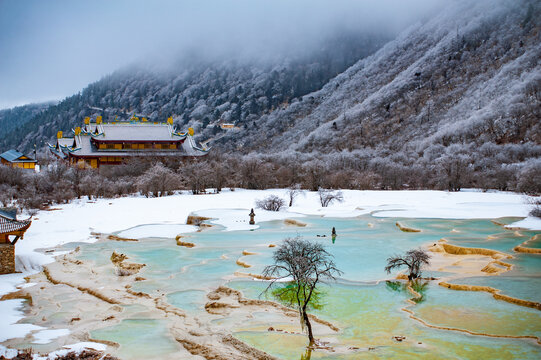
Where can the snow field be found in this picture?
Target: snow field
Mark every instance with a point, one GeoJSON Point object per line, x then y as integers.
{"type": "Point", "coordinates": [139, 217]}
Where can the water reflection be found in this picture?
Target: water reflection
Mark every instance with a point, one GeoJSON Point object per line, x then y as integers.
{"type": "Point", "coordinates": [289, 295]}
{"type": "Point", "coordinates": [419, 287]}
{"type": "Point", "coordinates": [307, 354]}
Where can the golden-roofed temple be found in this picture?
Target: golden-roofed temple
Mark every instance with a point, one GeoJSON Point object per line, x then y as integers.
{"type": "Point", "coordinates": [99, 143]}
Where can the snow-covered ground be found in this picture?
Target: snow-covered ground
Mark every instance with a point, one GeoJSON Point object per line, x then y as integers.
{"type": "Point", "coordinates": [77, 348]}
{"type": "Point", "coordinates": [138, 217]}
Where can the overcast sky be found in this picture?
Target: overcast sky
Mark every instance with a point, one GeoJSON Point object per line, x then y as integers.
{"type": "Point", "coordinates": [50, 49]}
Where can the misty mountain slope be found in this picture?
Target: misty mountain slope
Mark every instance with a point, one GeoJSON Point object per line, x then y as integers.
{"type": "Point", "coordinates": [19, 115]}
{"type": "Point", "coordinates": [469, 76]}
{"type": "Point", "coordinates": [199, 93]}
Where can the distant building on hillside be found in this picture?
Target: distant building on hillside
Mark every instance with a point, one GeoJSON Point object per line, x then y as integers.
{"type": "Point", "coordinates": [17, 159]}
{"type": "Point", "coordinates": [99, 143]}
{"type": "Point", "coordinates": [227, 126]}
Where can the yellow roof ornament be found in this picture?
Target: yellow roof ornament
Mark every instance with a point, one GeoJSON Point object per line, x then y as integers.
{"type": "Point", "coordinates": [59, 135]}
{"type": "Point", "coordinates": [144, 119]}
{"type": "Point", "coordinates": [190, 131]}
{"type": "Point", "coordinates": [87, 120]}
{"type": "Point", "coordinates": [98, 120]}
{"type": "Point", "coordinates": [170, 120]}
{"type": "Point", "coordinates": [77, 131]}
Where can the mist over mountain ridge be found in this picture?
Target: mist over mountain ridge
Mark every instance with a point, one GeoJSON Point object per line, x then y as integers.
{"type": "Point", "coordinates": [197, 91]}
{"type": "Point", "coordinates": [461, 89]}
{"type": "Point", "coordinates": [53, 50]}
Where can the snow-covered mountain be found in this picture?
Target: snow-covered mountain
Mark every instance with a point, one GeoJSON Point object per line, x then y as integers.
{"type": "Point", "coordinates": [462, 87]}
{"type": "Point", "coordinates": [199, 92]}
{"type": "Point", "coordinates": [469, 76]}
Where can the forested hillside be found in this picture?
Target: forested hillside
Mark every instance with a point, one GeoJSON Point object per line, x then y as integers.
{"type": "Point", "coordinates": [457, 95]}
{"type": "Point", "coordinates": [470, 76]}
{"type": "Point", "coordinates": [10, 119]}
{"type": "Point", "coordinates": [198, 92]}
{"type": "Point", "coordinates": [453, 101]}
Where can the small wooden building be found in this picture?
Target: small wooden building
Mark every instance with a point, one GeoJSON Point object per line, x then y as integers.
{"type": "Point", "coordinates": [11, 230]}
{"type": "Point", "coordinates": [98, 143]}
{"type": "Point", "coordinates": [17, 159]}
{"type": "Point", "coordinates": [227, 126]}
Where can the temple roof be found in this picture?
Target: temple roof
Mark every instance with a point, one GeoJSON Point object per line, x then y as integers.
{"type": "Point", "coordinates": [9, 213]}
{"type": "Point", "coordinates": [136, 132]}
{"type": "Point", "coordinates": [9, 226]}
{"type": "Point", "coordinates": [9, 222]}
{"type": "Point", "coordinates": [82, 146]}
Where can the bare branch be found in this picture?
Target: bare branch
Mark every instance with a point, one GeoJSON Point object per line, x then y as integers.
{"type": "Point", "coordinates": [307, 263]}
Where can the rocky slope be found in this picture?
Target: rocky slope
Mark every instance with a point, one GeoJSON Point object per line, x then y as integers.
{"type": "Point", "coordinates": [469, 77]}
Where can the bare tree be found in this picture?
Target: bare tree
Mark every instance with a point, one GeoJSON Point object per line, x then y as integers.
{"type": "Point", "coordinates": [271, 203]}
{"type": "Point", "coordinates": [527, 176]}
{"type": "Point", "coordinates": [157, 181]}
{"type": "Point", "coordinates": [307, 263]}
{"type": "Point", "coordinates": [7, 194]}
{"type": "Point", "coordinates": [218, 175]}
{"type": "Point", "coordinates": [454, 172]}
{"type": "Point", "coordinates": [75, 176]}
{"type": "Point", "coordinates": [90, 184]}
{"type": "Point", "coordinates": [413, 260]}
{"type": "Point", "coordinates": [194, 177]}
{"type": "Point", "coordinates": [293, 192]}
{"type": "Point", "coordinates": [251, 174]}
{"type": "Point", "coordinates": [326, 197]}
{"type": "Point", "coordinates": [314, 174]}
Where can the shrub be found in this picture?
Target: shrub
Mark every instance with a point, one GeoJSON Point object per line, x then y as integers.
{"type": "Point", "coordinates": [12, 176]}
{"type": "Point", "coordinates": [536, 211]}
{"type": "Point", "coordinates": [7, 193]}
{"type": "Point", "coordinates": [326, 197]}
{"type": "Point", "coordinates": [271, 203]}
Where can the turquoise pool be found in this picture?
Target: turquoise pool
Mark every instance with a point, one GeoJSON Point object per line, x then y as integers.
{"type": "Point", "coordinates": [366, 309]}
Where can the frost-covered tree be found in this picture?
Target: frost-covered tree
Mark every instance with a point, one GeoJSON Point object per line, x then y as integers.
{"type": "Point", "coordinates": [308, 264]}
{"type": "Point", "coordinates": [157, 181]}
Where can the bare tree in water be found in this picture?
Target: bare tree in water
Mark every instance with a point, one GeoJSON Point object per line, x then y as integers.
{"type": "Point", "coordinates": [413, 260]}
{"type": "Point", "coordinates": [306, 263]}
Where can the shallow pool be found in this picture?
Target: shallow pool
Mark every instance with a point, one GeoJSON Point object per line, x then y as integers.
{"type": "Point", "coordinates": [368, 310]}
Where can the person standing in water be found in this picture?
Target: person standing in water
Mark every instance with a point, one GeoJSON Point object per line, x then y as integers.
{"type": "Point", "coordinates": [333, 234]}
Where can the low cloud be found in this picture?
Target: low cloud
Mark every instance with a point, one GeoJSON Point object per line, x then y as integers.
{"type": "Point", "coordinates": [52, 49]}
